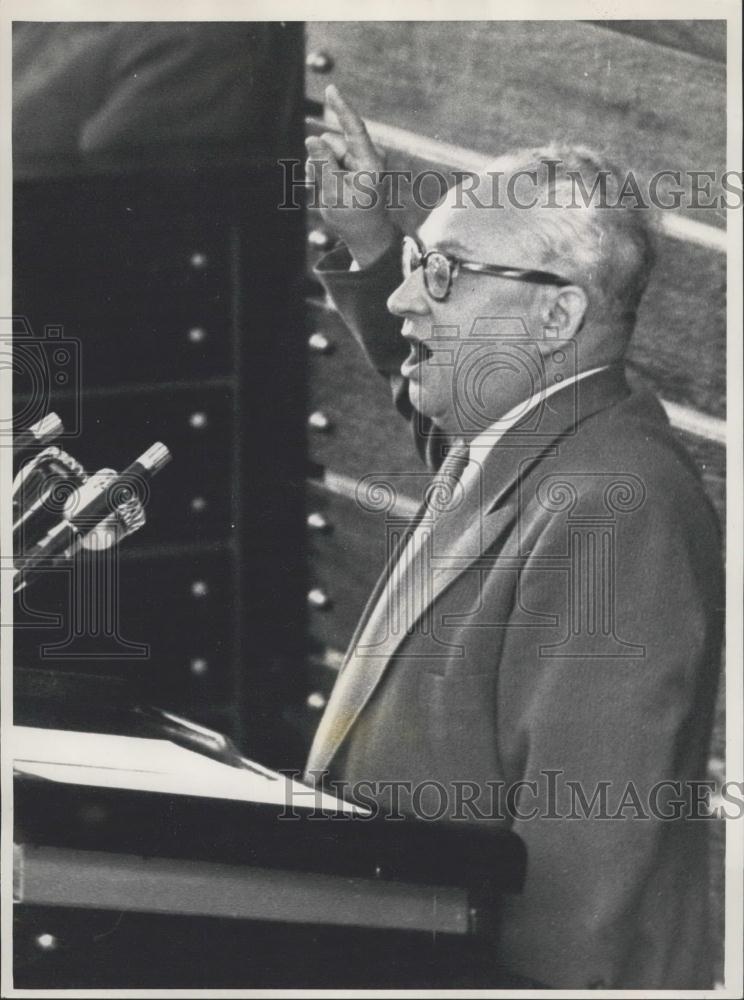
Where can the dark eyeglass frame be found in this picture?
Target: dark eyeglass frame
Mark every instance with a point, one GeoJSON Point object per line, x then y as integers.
{"type": "Point", "coordinates": [456, 264]}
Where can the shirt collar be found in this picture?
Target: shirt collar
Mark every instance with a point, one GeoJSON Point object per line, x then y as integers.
{"type": "Point", "coordinates": [491, 435]}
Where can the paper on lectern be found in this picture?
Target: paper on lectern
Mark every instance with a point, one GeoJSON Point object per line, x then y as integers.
{"type": "Point", "coordinates": [103, 760]}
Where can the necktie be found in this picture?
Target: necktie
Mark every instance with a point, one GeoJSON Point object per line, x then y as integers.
{"type": "Point", "coordinates": [397, 607]}
{"type": "Point", "coordinates": [442, 492]}
{"type": "Point", "coordinates": [410, 575]}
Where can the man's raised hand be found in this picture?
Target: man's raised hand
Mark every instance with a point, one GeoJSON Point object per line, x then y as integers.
{"type": "Point", "coordinates": [346, 169]}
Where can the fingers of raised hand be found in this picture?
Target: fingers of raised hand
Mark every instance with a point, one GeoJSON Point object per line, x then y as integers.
{"type": "Point", "coordinates": [355, 131]}
{"type": "Point", "coordinates": [340, 148]}
{"type": "Point", "coordinates": [320, 155]}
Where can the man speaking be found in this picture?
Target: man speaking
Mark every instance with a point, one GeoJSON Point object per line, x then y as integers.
{"type": "Point", "coordinates": [543, 648]}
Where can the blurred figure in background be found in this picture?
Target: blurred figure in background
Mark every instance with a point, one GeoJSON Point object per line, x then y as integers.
{"type": "Point", "coordinates": [103, 89]}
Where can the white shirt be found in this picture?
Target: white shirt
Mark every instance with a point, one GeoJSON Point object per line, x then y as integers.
{"type": "Point", "coordinates": [481, 445]}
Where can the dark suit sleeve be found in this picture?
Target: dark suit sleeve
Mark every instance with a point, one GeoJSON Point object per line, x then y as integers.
{"type": "Point", "coordinates": [360, 297]}
{"type": "Point", "coordinates": [602, 901]}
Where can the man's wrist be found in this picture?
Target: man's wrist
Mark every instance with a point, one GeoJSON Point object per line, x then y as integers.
{"type": "Point", "coordinates": [341, 264]}
{"type": "Point", "coordinates": [374, 246]}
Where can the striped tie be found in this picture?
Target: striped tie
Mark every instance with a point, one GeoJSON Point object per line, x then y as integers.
{"type": "Point", "coordinates": [410, 576]}
{"type": "Point", "coordinates": [441, 493]}
{"type": "Point", "coordinates": [396, 610]}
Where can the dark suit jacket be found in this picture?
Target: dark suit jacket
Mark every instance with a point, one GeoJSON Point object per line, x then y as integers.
{"type": "Point", "coordinates": [573, 627]}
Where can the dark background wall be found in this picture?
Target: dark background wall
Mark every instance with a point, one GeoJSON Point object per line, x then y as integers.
{"type": "Point", "coordinates": [150, 252]}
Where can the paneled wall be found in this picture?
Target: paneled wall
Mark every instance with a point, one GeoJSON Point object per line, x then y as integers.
{"type": "Point", "coordinates": [173, 290]}
{"type": "Point", "coordinates": [148, 241]}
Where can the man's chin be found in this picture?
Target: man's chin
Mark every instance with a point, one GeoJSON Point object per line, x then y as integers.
{"type": "Point", "coordinates": [418, 401]}
{"type": "Point", "coordinates": [421, 405]}
{"type": "Point", "coordinates": [418, 398]}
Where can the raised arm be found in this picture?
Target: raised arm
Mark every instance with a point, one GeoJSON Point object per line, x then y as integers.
{"type": "Point", "coordinates": [361, 274]}
{"type": "Point", "coordinates": [363, 223]}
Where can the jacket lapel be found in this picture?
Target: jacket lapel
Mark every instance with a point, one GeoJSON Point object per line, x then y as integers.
{"type": "Point", "coordinates": [454, 542]}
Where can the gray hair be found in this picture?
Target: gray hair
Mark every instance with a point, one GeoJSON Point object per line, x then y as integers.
{"type": "Point", "coordinates": [581, 235]}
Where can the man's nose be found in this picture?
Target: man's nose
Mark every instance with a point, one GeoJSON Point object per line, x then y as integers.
{"type": "Point", "coordinates": [410, 297]}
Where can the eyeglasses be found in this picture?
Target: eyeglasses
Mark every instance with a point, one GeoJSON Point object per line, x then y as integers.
{"type": "Point", "coordinates": [440, 269]}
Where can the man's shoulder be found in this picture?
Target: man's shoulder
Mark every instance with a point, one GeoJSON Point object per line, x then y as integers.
{"type": "Point", "coordinates": [633, 437]}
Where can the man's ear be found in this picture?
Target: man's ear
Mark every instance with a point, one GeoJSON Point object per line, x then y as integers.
{"type": "Point", "coordinates": [564, 312]}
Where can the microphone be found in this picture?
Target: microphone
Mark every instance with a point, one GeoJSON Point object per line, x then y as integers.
{"type": "Point", "coordinates": [95, 504]}
{"type": "Point", "coordinates": [124, 521]}
{"type": "Point", "coordinates": [40, 490]}
{"type": "Point", "coordinates": [127, 518]}
{"type": "Point", "coordinates": [42, 432]}
{"type": "Point", "coordinates": [127, 485]}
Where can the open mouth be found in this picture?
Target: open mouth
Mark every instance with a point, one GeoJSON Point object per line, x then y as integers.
{"type": "Point", "coordinates": [418, 355]}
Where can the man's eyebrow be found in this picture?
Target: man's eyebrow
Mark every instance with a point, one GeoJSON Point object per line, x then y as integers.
{"type": "Point", "coordinates": [447, 246]}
